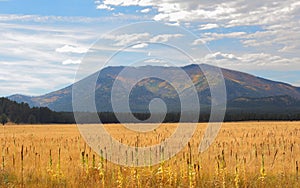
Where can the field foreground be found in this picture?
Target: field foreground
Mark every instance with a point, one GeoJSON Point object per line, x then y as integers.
{"type": "Point", "coordinates": [246, 154]}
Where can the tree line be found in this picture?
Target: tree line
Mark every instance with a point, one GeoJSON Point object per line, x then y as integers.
{"type": "Point", "coordinates": [22, 113]}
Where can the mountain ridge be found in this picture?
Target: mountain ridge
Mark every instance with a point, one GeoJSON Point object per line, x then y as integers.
{"type": "Point", "coordinates": [238, 85]}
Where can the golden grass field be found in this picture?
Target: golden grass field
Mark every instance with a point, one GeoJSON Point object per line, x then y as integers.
{"type": "Point", "coordinates": [246, 154]}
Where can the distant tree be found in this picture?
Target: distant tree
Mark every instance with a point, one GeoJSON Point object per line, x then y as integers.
{"type": "Point", "coordinates": [18, 120]}
{"type": "Point", "coordinates": [32, 119]}
{"type": "Point", "coordinates": [3, 119]}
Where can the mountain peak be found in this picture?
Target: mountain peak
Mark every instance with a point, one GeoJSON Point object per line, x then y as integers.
{"type": "Point", "coordinates": [238, 85]}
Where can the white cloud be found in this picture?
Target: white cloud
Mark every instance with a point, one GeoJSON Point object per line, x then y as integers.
{"type": "Point", "coordinates": [208, 26]}
{"type": "Point", "coordinates": [165, 37]}
{"type": "Point", "coordinates": [33, 77]}
{"type": "Point", "coordinates": [40, 45]}
{"type": "Point", "coordinates": [251, 61]}
{"type": "Point", "coordinates": [104, 7]}
{"type": "Point", "coordinates": [154, 61]}
{"type": "Point", "coordinates": [141, 45]}
{"type": "Point", "coordinates": [199, 41]}
{"type": "Point", "coordinates": [66, 19]}
{"type": "Point", "coordinates": [71, 62]}
{"type": "Point", "coordinates": [172, 23]}
{"type": "Point", "coordinates": [157, 62]}
{"type": "Point", "coordinates": [126, 39]}
{"type": "Point", "coordinates": [29, 58]}
{"type": "Point", "coordinates": [146, 10]}
{"type": "Point", "coordinates": [133, 38]}
{"type": "Point", "coordinates": [119, 14]}
{"type": "Point", "coordinates": [72, 49]}
{"type": "Point", "coordinates": [226, 35]}
{"type": "Point", "coordinates": [183, 11]}
{"type": "Point", "coordinates": [222, 56]}
{"type": "Point", "coordinates": [128, 2]}
{"type": "Point", "coordinates": [207, 37]}
{"type": "Point", "coordinates": [288, 48]}
{"type": "Point", "coordinates": [283, 38]}
{"type": "Point", "coordinates": [280, 20]}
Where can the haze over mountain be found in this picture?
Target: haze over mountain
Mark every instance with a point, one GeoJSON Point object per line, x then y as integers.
{"type": "Point", "coordinates": [244, 91]}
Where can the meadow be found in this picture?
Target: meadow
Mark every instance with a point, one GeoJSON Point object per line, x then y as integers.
{"type": "Point", "coordinates": [244, 154]}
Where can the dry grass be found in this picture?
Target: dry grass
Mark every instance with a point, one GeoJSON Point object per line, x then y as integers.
{"type": "Point", "coordinates": [247, 154]}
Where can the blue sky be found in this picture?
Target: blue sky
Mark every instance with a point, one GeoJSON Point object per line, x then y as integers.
{"type": "Point", "coordinates": [46, 8]}
{"type": "Point", "coordinates": [42, 43]}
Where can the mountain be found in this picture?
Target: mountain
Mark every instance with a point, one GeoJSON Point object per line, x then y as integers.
{"type": "Point", "coordinates": [244, 91]}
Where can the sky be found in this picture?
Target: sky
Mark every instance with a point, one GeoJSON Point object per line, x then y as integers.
{"type": "Point", "coordinates": [43, 43]}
